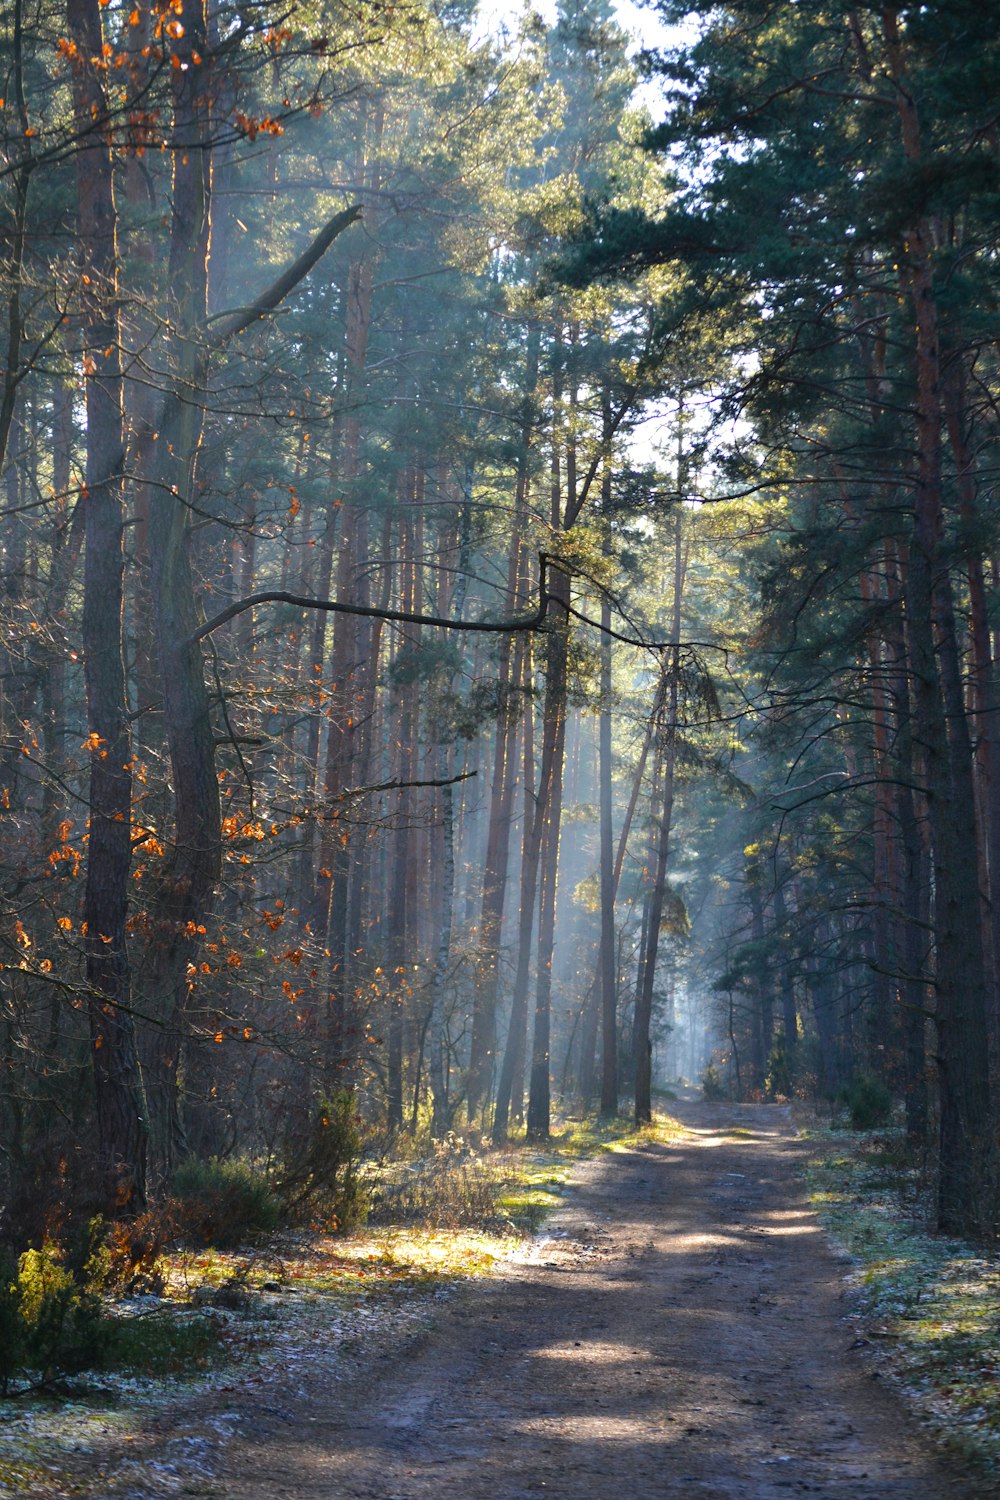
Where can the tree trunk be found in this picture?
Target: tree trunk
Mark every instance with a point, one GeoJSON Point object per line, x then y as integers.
{"type": "Point", "coordinates": [967, 1149]}
{"type": "Point", "coordinates": [985, 699]}
{"type": "Point", "coordinates": [914, 916]}
{"type": "Point", "coordinates": [786, 984]}
{"type": "Point", "coordinates": [191, 872]}
{"type": "Point", "coordinates": [122, 1137]}
{"type": "Point", "coordinates": [441, 1117]}
{"type": "Point", "coordinates": [550, 805]}
{"type": "Point", "coordinates": [641, 1040]}
{"type": "Point", "coordinates": [508, 1087]}
{"type": "Point", "coordinates": [352, 672]}
{"type": "Point", "coordinates": [495, 871]}
{"type": "Point", "coordinates": [497, 858]}
{"type": "Point", "coordinates": [550, 786]}
{"type": "Point", "coordinates": [13, 373]}
{"type": "Point", "coordinates": [609, 976]}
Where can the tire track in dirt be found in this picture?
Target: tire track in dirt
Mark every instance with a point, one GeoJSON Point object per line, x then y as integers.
{"type": "Point", "coordinates": [680, 1331]}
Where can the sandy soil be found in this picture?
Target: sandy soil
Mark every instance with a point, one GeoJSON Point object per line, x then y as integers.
{"type": "Point", "coordinates": [680, 1331]}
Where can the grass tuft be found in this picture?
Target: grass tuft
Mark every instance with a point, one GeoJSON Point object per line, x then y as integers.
{"type": "Point", "coordinates": [162, 1344]}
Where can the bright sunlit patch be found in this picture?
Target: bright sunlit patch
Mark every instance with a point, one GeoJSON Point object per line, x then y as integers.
{"type": "Point", "coordinates": [593, 1352]}
{"type": "Point", "coordinates": [598, 1429]}
{"type": "Point", "coordinates": [803, 1227]}
{"type": "Point", "coordinates": [787, 1219]}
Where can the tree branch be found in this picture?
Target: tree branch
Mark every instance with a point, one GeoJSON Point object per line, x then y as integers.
{"type": "Point", "coordinates": [374, 612]}
{"type": "Point", "coordinates": [228, 324]}
{"type": "Point", "coordinates": [396, 786]}
{"type": "Point", "coordinates": [497, 627]}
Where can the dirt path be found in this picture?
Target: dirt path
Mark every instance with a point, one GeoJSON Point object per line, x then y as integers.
{"type": "Point", "coordinates": [679, 1332]}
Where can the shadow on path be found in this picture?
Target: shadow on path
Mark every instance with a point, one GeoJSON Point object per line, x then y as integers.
{"type": "Point", "coordinates": [678, 1332]}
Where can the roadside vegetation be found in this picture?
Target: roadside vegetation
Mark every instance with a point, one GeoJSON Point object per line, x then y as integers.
{"type": "Point", "coordinates": [926, 1306]}
{"type": "Point", "coordinates": [94, 1336]}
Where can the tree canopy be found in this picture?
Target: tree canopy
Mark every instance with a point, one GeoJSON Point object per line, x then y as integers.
{"type": "Point", "coordinates": [498, 576]}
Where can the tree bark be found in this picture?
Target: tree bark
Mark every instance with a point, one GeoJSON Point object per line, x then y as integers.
{"type": "Point", "coordinates": [122, 1134]}
{"type": "Point", "coordinates": [191, 871]}
{"type": "Point", "coordinates": [641, 1040]}
{"type": "Point", "coordinates": [508, 1086]}
{"type": "Point", "coordinates": [967, 1149]}
{"type": "Point", "coordinates": [497, 858]}
{"type": "Point", "coordinates": [609, 976]}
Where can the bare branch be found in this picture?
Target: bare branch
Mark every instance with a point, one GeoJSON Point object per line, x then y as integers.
{"type": "Point", "coordinates": [374, 612]}
{"type": "Point", "coordinates": [397, 786]}
{"type": "Point", "coordinates": [228, 324]}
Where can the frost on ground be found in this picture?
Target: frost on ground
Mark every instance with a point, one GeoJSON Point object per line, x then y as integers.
{"type": "Point", "coordinates": [319, 1306]}
{"type": "Point", "coordinates": [681, 1327]}
{"type": "Point", "coordinates": [927, 1307]}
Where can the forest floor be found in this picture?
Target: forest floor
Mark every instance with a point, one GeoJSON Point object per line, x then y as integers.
{"type": "Point", "coordinates": [680, 1328]}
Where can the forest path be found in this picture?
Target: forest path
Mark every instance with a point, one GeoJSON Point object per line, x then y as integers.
{"type": "Point", "coordinates": [679, 1330]}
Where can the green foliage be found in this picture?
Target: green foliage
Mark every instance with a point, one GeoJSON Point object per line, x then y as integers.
{"type": "Point", "coordinates": [587, 892]}
{"type": "Point", "coordinates": [322, 1172]}
{"type": "Point", "coordinates": [869, 1102]}
{"type": "Point", "coordinates": [779, 1077]}
{"type": "Point", "coordinates": [712, 1083]}
{"type": "Point", "coordinates": [52, 1321]}
{"type": "Point", "coordinates": [430, 661]}
{"type": "Point", "coordinates": [164, 1344]}
{"type": "Point", "coordinates": [223, 1203]}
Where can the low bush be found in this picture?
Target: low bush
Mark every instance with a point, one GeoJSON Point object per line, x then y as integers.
{"type": "Point", "coordinates": [222, 1203]}
{"type": "Point", "coordinates": [712, 1084]}
{"type": "Point", "coordinates": [164, 1344]}
{"type": "Point", "coordinates": [322, 1175]}
{"type": "Point", "coordinates": [56, 1321]}
{"type": "Point", "coordinates": [869, 1102]}
{"type": "Point", "coordinates": [778, 1082]}
{"type": "Point", "coordinates": [133, 1249]}
{"type": "Point", "coordinates": [52, 1321]}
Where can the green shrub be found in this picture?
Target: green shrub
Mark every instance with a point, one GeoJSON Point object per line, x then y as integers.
{"type": "Point", "coordinates": [712, 1085]}
{"type": "Point", "coordinates": [321, 1175]}
{"type": "Point", "coordinates": [52, 1321]}
{"type": "Point", "coordinates": [869, 1102]}
{"type": "Point", "coordinates": [223, 1203]}
{"type": "Point", "coordinates": [778, 1082]}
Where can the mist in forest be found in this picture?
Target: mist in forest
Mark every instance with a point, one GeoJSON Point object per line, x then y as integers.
{"type": "Point", "coordinates": [384, 721]}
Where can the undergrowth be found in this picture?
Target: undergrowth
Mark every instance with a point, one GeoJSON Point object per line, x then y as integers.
{"type": "Point", "coordinates": [169, 1311]}
{"type": "Point", "coordinates": [223, 1203]}
{"type": "Point", "coordinates": [930, 1305]}
{"type": "Point", "coordinates": [454, 1187]}
{"type": "Point", "coordinates": [459, 1183]}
